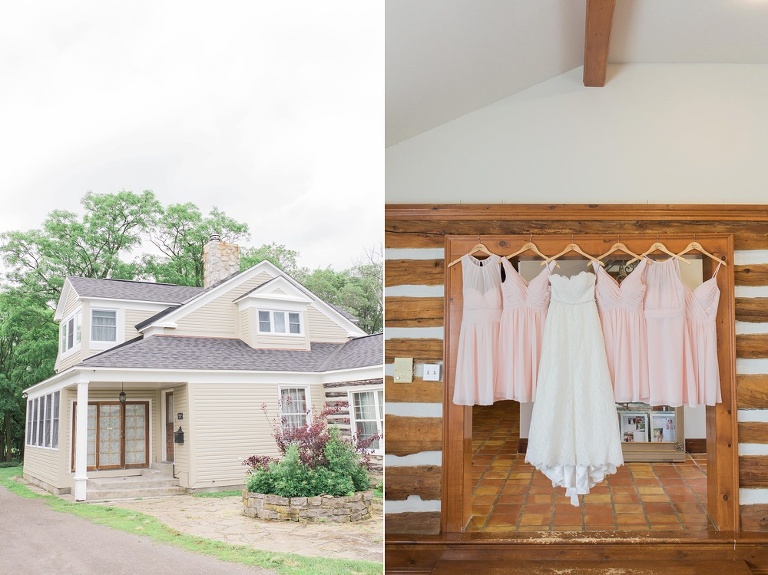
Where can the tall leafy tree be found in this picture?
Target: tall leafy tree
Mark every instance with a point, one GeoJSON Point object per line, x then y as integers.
{"type": "Point", "coordinates": [358, 290]}
{"type": "Point", "coordinates": [284, 258]}
{"type": "Point", "coordinates": [180, 233]}
{"type": "Point", "coordinates": [28, 344]}
{"type": "Point", "coordinates": [91, 246]}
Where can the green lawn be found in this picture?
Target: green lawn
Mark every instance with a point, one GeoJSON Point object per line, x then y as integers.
{"type": "Point", "coordinates": [141, 524]}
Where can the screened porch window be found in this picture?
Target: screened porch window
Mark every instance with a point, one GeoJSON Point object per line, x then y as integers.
{"type": "Point", "coordinates": [43, 421]}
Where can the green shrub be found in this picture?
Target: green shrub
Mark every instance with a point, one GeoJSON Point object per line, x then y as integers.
{"type": "Point", "coordinates": [343, 474]}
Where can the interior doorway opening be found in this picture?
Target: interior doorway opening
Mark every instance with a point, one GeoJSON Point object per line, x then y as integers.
{"type": "Point", "coordinates": [509, 495]}
{"type": "Point", "coordinates": [716, 470]}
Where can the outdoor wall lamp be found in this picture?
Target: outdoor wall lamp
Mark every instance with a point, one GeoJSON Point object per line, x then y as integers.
{"type": "Point", "coordinates": [178, 436]}
{"type": "Point", "coordinates": [122, 395]}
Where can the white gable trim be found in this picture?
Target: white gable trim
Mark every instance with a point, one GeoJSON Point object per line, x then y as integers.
{"type": "Point", "coordinates": [59, 314]}
{"type": "Point", "coordinates": [267, 293]}
{"type": "Point", "coordinates": [210, 295]}
{"type": "Point", "coordinates": [265, 266]}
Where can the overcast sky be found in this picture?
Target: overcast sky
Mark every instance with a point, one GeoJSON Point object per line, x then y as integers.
{"type": "Point", "coordinates": [271, 110]}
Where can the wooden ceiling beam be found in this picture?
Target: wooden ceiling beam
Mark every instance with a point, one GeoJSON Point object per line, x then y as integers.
{"type": "Point", "coordinates": [597, 37]}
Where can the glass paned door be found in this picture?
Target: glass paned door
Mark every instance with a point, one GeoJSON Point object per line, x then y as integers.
{"type": "Point", "coordinates": [91, 436]}
{"type": "Point", "coordinates": [109, 436]}
{"type": "Point", "coordinates": [135, 434]}
{"type": "Point", "coordinates": [169, 420]}
{"type": "Point", "coordinates": [118, 435]}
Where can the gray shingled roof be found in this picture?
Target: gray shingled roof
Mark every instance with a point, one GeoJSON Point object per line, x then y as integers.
{"type": "Point", "coordinates": [359, 352]}
{"type": "Point", "coordinates": [133, 290]}
{"type": "Point", "coordinates": [176, 352]}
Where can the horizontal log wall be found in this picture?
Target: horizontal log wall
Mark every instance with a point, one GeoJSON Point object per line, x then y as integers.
{"type": "Point", "coordinates": [414, 272]}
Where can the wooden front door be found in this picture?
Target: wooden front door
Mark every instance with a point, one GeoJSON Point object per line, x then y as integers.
{"type": "Point", "coordinates": [169, 427]}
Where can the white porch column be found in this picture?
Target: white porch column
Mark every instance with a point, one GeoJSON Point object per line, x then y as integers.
{"type": "Point", "coordinates": [81, 441]}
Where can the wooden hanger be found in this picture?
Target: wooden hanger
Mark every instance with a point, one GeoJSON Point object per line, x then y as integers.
{"type": "Point", "coordinates": [476, 248]}
{"type": "Point", "coordinates": [575, 248]}
{"type": "Point", "coordinates": [532, 247]}
{"type": "Point", "coordinates": [694, 245]}
{"type": "Point", "coordinates": [618, 246]}
{"type": "Point", "coordinates": [658, 246]}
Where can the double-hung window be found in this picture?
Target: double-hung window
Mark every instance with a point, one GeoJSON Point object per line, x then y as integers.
{"type": "Point", "coordinates": [367, 410]}
{"type": "Point", "coordinates": [70, 332]}
{"type": "Point", "coordinates": [294, 407]}
{"type": "Point", "coordinates": [104, 325]}
{"type": "Point", "coordinates": [287, 322]}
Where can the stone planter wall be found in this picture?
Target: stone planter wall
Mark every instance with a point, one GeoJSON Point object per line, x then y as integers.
{"type": "Point", "coordinates": [320, 509]}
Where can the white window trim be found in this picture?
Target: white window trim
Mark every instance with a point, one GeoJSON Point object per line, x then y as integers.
{"type": "Point", "coordinates": [379, 422]}
{"type": "Point", "coordinates": [63, 333]}
{"type": "Point", "coordinates": [272, 313]}
{"type": "Point", "coordinates": [119, 329]}
{"type": "Point", "coordinates": [307, 396]}
{"type": "Point", "coordinates": [46, 417]}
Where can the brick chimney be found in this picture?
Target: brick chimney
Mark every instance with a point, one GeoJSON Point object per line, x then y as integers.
{"type": "Point", "coordinates": [220, 260]}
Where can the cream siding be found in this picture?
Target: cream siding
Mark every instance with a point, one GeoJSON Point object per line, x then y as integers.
{"type": "Point", "coordinates": [231, 426]}
{"type": "Point", "coordinates": [246, 334]}
{"type": "Point", "coordinates": [48, 465]}
{"type": "Point", "coordinates": [181, 453]}
{"type": "Point", "coordinates": [321, 328]}
{"type": "Point", "coordinates": [217, 318]}
{"type": "Point", "coordinates": [72, 303]}
{"type": "Point", "coordinates": [133, 317]}
{"type": "Point", "coordinates": [78, 355]}
{"type": "Point", "coordinates": [271, 341]}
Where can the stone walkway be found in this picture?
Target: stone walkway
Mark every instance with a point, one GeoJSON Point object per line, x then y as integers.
{"type": "Point", "coordinates": [222, 519]}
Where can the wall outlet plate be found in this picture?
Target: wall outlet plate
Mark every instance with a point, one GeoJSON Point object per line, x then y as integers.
{"type": "Point", "coordinates": [403, 370]}
{"type": "Point", "coordinates": [431, 372]}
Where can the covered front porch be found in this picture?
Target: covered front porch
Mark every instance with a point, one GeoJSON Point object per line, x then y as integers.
{"type": "Point", "coordinates": [123, 438]}
{"type": "Point", "coordinates": [120, 436]}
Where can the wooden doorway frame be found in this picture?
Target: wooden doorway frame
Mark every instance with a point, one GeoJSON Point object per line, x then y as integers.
{"type": "Point", "coordinates": [167, 439]}
{"type": "Point", "coordinates": [122, 465]}
{"type": "Point", "coordinates": [722, 444]}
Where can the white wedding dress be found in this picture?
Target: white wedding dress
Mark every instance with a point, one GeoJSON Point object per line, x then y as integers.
{"type": "Point", "coordinates": [574, 433]}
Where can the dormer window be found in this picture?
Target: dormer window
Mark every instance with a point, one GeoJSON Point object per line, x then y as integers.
{"type": "Point", "coordinates": [70, 332]}
{"type": "Point", "coordinates": [280, 322]}
{"type": "Point", "coordinates": [104, 325]}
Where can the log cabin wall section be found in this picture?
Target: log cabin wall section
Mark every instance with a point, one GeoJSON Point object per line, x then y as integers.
{"type": "Point", "coordinates": [415, 290]}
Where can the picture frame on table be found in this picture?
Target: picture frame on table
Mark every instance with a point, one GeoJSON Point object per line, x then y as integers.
{"type": "Point", "coordinates": [633, 426]}
{"type": "Point", "coordinates": [664, 427]}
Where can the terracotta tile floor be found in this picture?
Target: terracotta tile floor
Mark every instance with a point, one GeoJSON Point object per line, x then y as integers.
{"type": "Point", "coordinates": [509, 495]}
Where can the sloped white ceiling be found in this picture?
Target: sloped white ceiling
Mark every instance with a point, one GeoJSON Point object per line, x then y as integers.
{"type": "Point", "coordinates": [447, 58]}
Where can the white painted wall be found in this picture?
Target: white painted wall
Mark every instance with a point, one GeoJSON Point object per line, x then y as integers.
{"type": "Point", "coordinates": [675, 133]}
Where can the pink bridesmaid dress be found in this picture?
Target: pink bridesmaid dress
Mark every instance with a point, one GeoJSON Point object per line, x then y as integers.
{"type": "Point", "coordinates": [524, 313]}
{"type": "Point", "coordinates": [479, 334]}
{"type": "Point", "coordinates": [623, 321]}
{"type": "Point", "coordinates": [701, 314]}
{"type": "Point", "coordinates": [671, 377]}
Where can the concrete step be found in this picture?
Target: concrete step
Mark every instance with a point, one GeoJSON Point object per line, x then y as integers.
{"type": "Point", "coordinates": [138, 493]}
{"type": "Point", "coordinates": [132, 482]}
{"type": "Point", "coordinates": [165, 469]}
